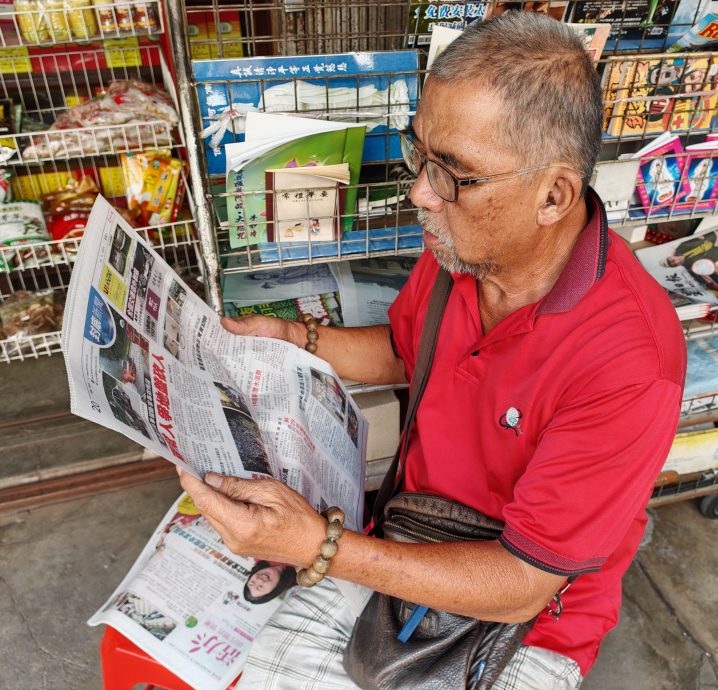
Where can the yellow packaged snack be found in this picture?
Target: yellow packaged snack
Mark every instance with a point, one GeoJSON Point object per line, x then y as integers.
{"type": "Point", "coordinates": [81, 18]}
{"type": "Point", "coordinates": [32, 21]}
{"type": "Point", "coordinates": [57, 18]}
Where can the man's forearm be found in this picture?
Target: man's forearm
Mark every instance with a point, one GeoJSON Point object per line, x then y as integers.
{"type": "Point", "coordinates": [477, 579]}
{"type": "Point", "coordinates": [361, 354]}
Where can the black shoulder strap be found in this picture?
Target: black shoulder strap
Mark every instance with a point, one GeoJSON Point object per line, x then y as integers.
{"type": "Point", "coordinates": [420, 376]}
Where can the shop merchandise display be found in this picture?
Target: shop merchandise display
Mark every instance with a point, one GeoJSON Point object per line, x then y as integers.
{"type": "Point", "coordinates": [61, 21]}
{"type": "Point", "coordinates": [154, 187]}
{"type": "Point", "coordinates": [25, 314]}
{"type": "Point", "coordinates": [129, 115]}
{"type": "Point", "coordinates": [21, 223]}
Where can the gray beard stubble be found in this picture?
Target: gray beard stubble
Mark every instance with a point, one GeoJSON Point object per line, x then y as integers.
{"type": "Point", "coordinates": [447, 257]}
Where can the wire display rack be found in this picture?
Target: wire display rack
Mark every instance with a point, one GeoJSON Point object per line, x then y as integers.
{"type": "Point", "coordinates": [30, 347]}
{"type": "Point", "coordinates": [49, 22]}
{"type": "Point", "coordinates": [49, 84]}
{"type": "Point", "coordinates": [301, 27]}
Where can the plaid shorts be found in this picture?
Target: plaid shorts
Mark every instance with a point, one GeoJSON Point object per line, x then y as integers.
{"type": "Point", "coordinates": [301, 648]}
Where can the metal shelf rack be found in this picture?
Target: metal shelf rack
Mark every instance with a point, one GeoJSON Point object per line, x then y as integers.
{"type": "Point", "coordinates": [47, 24]}
{"type": "Point", "coordinates": [48, 82]}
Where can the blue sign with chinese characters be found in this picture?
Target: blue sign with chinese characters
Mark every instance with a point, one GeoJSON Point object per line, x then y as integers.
{"type": "Point", "coordinates": [376, 88]}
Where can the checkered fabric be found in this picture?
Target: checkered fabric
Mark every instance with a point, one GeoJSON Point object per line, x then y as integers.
{"type": "Point", "coordinates": [301, 648]}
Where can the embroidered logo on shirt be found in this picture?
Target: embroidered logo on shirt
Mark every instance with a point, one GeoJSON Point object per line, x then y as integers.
{"type": "Point", "coordinates": [511, 419]}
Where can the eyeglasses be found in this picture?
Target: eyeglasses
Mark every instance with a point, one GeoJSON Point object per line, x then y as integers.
{"type": "Point", "coordinates": [444, 183]}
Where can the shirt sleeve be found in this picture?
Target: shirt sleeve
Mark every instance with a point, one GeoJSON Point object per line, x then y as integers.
{"type": "Point", "coordinates": [591, 475]}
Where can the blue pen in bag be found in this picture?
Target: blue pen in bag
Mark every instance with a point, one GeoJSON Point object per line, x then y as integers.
{"type": "Point", "coordinates": [412, 623]}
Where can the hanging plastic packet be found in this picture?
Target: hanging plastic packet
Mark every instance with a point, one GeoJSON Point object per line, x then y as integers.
{"type": "Point", "coordinates": [32, 21]}
{"type": "Point", "coordinates": [24, 314]}
{"type": "Point", "coordinates": [145, 18]}
{"type": "Point", "coordinates": [8, 145]}
{"type": "Point", "coordinates": [68, 210]}
{"type": "Point", "coordinates": [81, 18]}
{"type": "Point", "coordinates": [22, 223]}
{"type": "Point", "coordinates": [152, 183]}
{"type": "Point", "coordinates": [107, 18]}
{"type": "Point", "coordinates": [58, 20]}
{"type": "Point", "coordinates": [5, 188]}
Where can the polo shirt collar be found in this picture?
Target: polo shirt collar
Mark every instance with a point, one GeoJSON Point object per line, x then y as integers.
{"type": "Point", "coordinates": [585, 267]}
{"type": "Point", "coordinates": [586, 264]}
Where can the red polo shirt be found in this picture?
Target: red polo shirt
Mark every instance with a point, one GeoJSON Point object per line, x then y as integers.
{"type": "Point", "coordinates": [557, 421]}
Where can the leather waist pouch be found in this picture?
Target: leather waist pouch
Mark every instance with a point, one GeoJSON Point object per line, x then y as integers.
{"type": "Point", "coordinates": [445, 650]}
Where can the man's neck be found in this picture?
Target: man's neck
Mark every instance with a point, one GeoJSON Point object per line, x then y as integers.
{"type": "Point", "coordinates": [515, 286]}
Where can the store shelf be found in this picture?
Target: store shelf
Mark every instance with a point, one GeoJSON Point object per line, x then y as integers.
{"type": "Point", "coordinates": [30, 347]}
{"type": "Point", "coordinates": [40, 265]}
{"type": "Point", "coordinates": [43, 23]}
{"type": "Point", "coordinates": [81, 142]}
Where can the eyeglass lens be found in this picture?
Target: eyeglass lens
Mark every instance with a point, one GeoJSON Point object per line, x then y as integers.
{"type": "Point", "coordinates": [440, 180]}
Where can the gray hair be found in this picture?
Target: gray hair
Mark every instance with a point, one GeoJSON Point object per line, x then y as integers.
{"type": "Point", "coordinates": [543, 76]}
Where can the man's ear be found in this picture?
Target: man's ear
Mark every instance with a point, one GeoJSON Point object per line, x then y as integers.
{"type": "Point", "coordinates": [559, 195]}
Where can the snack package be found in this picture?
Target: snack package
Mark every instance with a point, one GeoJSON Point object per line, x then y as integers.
{"type": "Point", "coordinates": [30, 313]}
{"type": "Point", "coordinates": [32, 21]}
{"type": "Point", "coordinates": [21, 223]}
{"type": "Point", "coordinates": [68, 209]}
{"type": "Point", "coordinates": [107, 18]}
{"type": "Point", "coordinates": [152, 182]}
{"type": "Point", "coordinates": [93, 123]}
{"type": "Point", "coordinates": [81, 18]}
{"type": "Point", "coordinates": [5, 189]}
{"type": "Point", "coordinates": [145, 18]}
{"type": "Point", "coordinates": [8, 145]}
{"type": "Point", "coordinates": [58, 20]}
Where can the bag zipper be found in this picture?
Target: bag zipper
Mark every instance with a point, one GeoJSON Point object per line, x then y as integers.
{"type": "Point", "coordinates": [422, 535]}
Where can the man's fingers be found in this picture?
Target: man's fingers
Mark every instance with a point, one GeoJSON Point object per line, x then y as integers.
{"type": "Point", "coordinates": [245, 490]}
{"type": "Point", "coordinates": [209, 501]}
{"type": "Point", "coordinates": [238, 327]}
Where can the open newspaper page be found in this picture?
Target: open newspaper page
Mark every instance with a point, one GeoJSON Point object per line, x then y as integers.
{"type": "Point", "coordinates": [148, 358]}
{"type": "Point", "coordinates": [192, 604]}
{"type": "Point", "coordinates": [687, 266]}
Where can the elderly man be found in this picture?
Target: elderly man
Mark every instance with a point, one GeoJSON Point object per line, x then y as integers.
{"type": "Point", "coordinates": [554, 393]}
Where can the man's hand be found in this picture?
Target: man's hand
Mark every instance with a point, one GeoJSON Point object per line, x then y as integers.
{"type": "Point", "coordinates": [267, 327]}
{"type": "Point", "coordinates": [259, 518]}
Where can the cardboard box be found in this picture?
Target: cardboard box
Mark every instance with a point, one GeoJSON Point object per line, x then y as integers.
{"type": "Point", "coordinates": [381, 409]}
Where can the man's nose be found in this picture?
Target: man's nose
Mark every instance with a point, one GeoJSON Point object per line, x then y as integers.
{"type": "Point", "coordinates": [423, 196]}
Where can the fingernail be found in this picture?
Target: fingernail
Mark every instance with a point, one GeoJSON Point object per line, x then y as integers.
{"type": "Point", "coordinates": [213, 479]}
{"type": "Point", "coordinates": [179, 470]}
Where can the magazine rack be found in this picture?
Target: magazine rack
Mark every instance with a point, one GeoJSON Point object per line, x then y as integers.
{"type": "Point", "coordinates": [125, 665]}
{"type": "Point", "coordinates": [314, 26]}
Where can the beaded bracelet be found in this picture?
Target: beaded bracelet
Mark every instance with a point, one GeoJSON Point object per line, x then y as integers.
{"type": "Point", "coordinates": [312, 334]}
{"type": "Point", "coordinates": [308, 577]}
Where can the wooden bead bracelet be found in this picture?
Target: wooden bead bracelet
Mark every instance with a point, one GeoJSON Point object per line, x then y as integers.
{"type": "Point", "coordinates": [312, 334]}
{"type": "Point", "coordinates": [308, 577]}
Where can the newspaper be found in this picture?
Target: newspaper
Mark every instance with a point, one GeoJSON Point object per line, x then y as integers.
{"type": "Point", "coordinates": [687, 266]}
{"type": "Point", "coordinates": [148, 358]}
{"type": "Point", "coordinates": [368, 287]}
{"type": "Point", "coordinates": [192, 604]}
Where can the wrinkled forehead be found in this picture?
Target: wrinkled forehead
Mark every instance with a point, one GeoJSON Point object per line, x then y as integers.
{"type": "Point", "coordinates": [460, 118]}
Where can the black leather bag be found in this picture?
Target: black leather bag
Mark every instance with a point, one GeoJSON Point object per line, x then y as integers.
{"type": "Point", "coordinates": [446, 650]}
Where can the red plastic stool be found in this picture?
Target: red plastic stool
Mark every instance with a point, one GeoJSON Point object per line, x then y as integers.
{"type": "Point", "coordinates": [125, 665]}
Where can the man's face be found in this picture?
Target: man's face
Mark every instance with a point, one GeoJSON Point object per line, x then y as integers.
{"type": "Point", "coordinates": [489, 225]}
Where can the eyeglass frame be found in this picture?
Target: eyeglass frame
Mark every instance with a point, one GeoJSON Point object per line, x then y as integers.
{"type": "Point", "coordinates": [458, 181]}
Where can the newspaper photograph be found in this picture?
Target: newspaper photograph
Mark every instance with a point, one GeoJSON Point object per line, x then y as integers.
{"type": "Point", "coordinates": [192, 604]}
{"type": "Point", "coordinates": [147, 357]}
{"type": "Point", "coordinates": [686, 266]}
